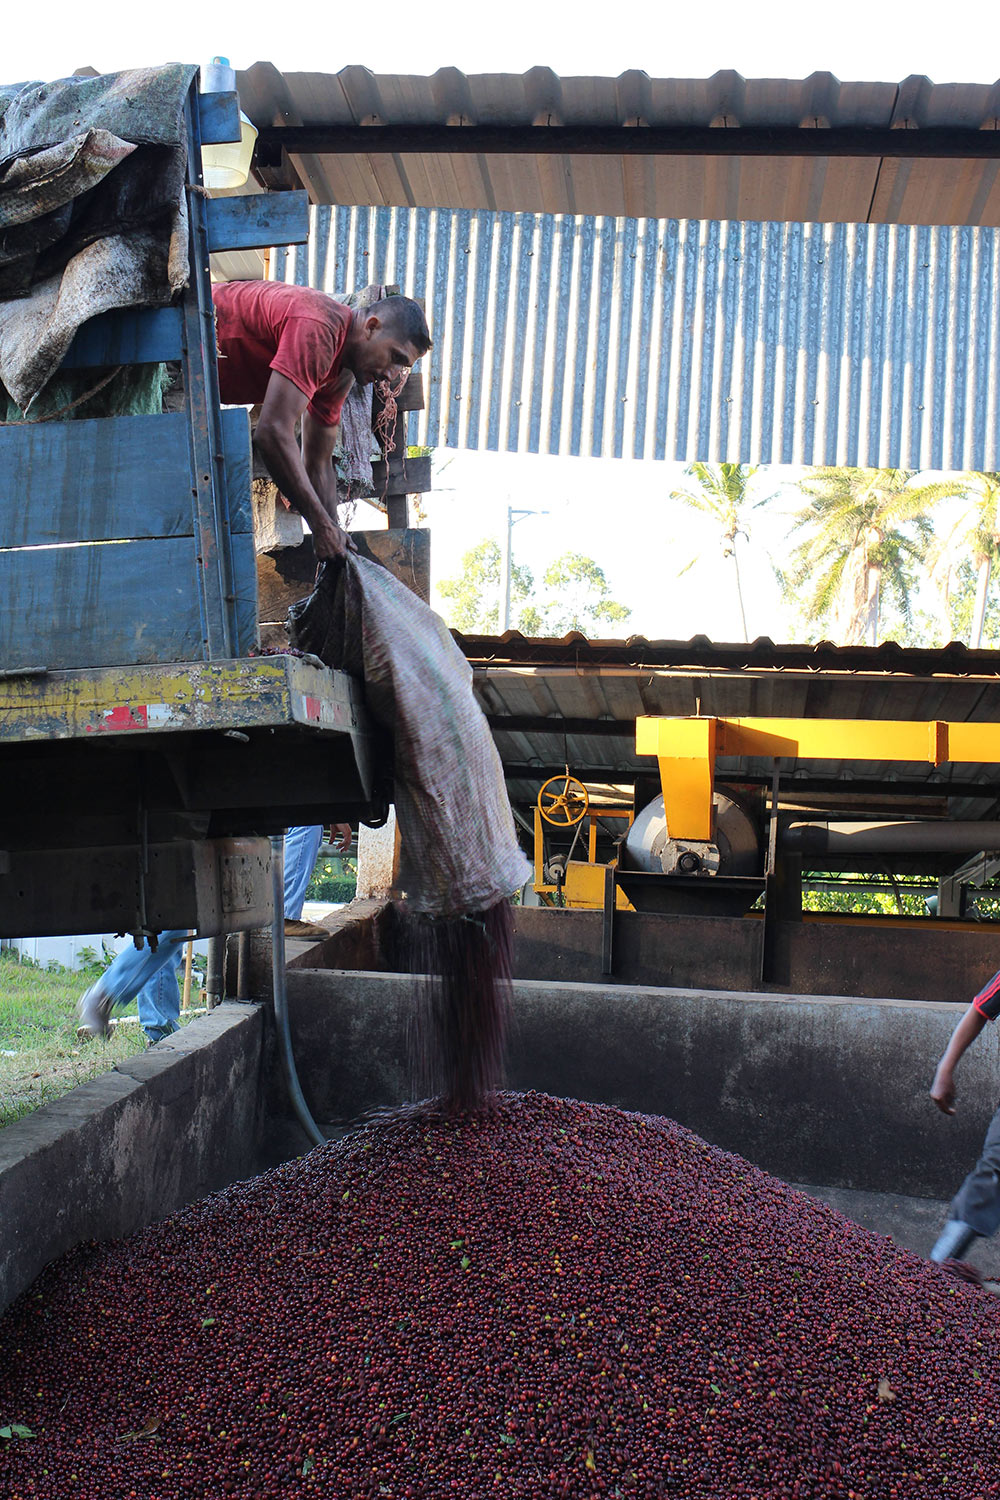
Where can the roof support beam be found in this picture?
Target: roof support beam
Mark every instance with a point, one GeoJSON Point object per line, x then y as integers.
{"type": "Point", "coordinates": [623, 729]}
{"type": "Point", "coordinates": [856, 785]}
{"type": "Point", "coordinates": [949, 142]}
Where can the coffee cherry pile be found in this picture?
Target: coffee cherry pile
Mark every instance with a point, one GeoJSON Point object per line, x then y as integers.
{"type": "Point", "coordinates": [545, 1299]}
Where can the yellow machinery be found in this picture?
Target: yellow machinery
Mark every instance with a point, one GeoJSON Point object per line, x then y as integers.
{"type": "Point", "coordinates": [564, 803]}
{"type": "Point", "coordinates": [700, 847]}
{"type": "Point", "coordinates": [733, 850]}
{"type": "Point", "coordinates": [686, 750]}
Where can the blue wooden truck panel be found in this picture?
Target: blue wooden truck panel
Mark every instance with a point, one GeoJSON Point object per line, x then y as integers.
{"type": "Point", "coordinates": [100, 566]}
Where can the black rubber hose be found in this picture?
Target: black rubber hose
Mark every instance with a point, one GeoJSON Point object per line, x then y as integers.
{"type": "Point", "coordinates": [299, 1105]}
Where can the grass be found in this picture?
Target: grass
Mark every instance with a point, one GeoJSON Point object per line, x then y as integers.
{"type": "Point", "coordinates": [41, 1057]}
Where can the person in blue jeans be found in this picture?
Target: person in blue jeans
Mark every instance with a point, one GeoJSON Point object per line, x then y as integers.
{"type": "Point", "coordinates": [150, 977]}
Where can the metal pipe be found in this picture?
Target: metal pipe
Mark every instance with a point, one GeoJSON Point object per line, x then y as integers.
{"type": "Point", "coordinates": [243, 965]}
{"type": "Point", "coordinates": [215, 971]}
{"type": "Point", "coordinates": [299, 1105]}
{"type": "Point", "coordinates": [942, 837]}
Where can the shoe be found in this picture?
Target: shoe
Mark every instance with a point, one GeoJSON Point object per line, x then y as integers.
{"type": "Point", "coordinates": [94, 1012]}
{"type": "Point", "coordinates": [296, 928]}
{"type": "Point", "coordinates": [152, 1037]}
{"type": "Point", "coordinates": [953, 1241]}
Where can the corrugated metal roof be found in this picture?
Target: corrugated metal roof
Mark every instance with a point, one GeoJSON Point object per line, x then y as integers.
{"type": "Point", "coordinates": [575, 701]}
{"type": "Point", "coordinates": [886, 661]}
{"type": "Point", "coordinates": [810, 189]}
{"type": "Point", "coordinates": [680, 339]}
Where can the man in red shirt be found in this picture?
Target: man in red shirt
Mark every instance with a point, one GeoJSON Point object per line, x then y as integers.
{"type": "Point", "coordinates": [298, 352]}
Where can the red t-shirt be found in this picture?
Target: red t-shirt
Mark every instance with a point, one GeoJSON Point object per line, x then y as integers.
{"type": "Point", "coordinates": [266, 325]}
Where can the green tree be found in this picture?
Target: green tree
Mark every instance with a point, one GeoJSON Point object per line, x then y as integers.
{"type": "Point", "coordinates": [964, 596]}
{"type": "Point", "coordinates": [574, 595]}
{"type": "Point", "coordinates": [865, 539]}
{"type": "Point", "coordinates": [975, 537]}
{"type": "Point", "coordinates": [579, 598]}
{"type": "Point", "coordinates": [720, 493]}
{"type": "Point", "coordinates": [472, 600]}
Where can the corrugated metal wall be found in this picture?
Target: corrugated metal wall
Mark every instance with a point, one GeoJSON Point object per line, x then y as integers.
{"type": "Point", "coordinates": [869, 345]}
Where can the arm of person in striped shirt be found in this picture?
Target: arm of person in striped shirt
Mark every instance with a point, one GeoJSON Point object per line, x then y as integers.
{"type": "Point", "coordinates": [985, 1007]}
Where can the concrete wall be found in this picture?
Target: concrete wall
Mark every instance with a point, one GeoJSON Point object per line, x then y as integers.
{"type": "Point", "coordinates": [164, 1128]}
{"type": "Point", "coordinates": [815, 1089]}
{"type": "Point", "coordinates": [909, 960]}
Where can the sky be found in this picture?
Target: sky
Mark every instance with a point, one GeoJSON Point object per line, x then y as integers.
{"type": "Point", "coordinates": [858, 39]}
{"type": "Point", "coordinates": [614, 510]}
{"type": "Point", "coordinates": [618, 512]}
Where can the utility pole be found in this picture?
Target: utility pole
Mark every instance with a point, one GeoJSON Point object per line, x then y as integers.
{"type": "Point", "coordinates": [513, 516]}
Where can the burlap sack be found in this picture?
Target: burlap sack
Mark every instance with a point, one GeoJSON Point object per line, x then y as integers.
{"type": "Point", "coordinates": [458, 848]}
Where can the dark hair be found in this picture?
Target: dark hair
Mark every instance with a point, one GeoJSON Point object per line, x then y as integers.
{"type": "Point", "coordinates": [407, 320]}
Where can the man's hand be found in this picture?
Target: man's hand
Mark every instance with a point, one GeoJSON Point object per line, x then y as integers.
{"type": "Point", "coordinates": [330, 540]}
{"type": "Point", "coordinates": [943, 1090]}
{"type": "Point", "coordinates": [341, 836]}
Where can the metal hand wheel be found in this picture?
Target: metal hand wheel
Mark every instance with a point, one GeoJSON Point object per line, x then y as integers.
{"type": "Point", "coordinates": [563, 801]}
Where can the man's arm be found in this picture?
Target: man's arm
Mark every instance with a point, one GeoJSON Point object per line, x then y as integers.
{"type": "Point", "coordinates": [318, 443]}
{"type": "Point", "coordinates": [277, 445]}
{"type": "Point", "coordinates": [965, 1033]}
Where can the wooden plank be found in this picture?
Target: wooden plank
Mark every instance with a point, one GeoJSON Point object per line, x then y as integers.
{"type": "Point", "coordinates": [279, 178]}
{"type": "Point", "coordinates": [257, 221]}
{"type": "Point", "coordinates": [407, 476]}
{"type": "Point", "coordinates": [283, 577]}
{"type": "Point", "coordinates": [134, 336]}
{"type": "Point", "coordinates": [397, 510]}
{"type": "Point", "coordinates": [406, 555]}
{"type": "Point", "coordinates": [103, 479]}
{"type": "Point", "coordinates": [239, 463]}
{"type": "Point", "coordinates": [220, 118]}
{"type": "Point", "coordinates": [245, 589]}
{"type": "Point", "coordinates": [95, 606]}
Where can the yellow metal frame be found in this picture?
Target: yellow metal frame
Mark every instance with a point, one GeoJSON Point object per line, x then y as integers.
{"type": "Point", "coordinates": [584, 883]}
{"type": "Point", "coordinates": [687, 749]}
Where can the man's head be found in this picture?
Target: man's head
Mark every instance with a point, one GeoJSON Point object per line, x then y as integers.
{"type": "Point", "coordinates": [385, 338]}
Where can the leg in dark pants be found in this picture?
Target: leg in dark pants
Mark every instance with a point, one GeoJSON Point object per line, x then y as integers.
{"type": "Point", "coordinates": [977, 1202]}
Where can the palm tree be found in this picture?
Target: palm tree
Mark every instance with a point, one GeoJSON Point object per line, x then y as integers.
{"type": "Point", "coordinates": [720, 493]}
{"type": "Point", "coordinates": [977, 534]}
{"type": "Point", "coordinates": [865, 537]}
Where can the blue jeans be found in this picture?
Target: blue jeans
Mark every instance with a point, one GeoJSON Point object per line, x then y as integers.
{"type": "Point", "coordinates": [151, 978]}
{"type": "Point", "coordinates": [301, 851]}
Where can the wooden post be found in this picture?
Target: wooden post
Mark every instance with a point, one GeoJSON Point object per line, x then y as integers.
{"type": "Point", "coordinates": [188, 961]}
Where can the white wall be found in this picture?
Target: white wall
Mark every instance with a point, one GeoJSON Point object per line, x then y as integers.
{"type": "Point", "coordinates": [66, 950]}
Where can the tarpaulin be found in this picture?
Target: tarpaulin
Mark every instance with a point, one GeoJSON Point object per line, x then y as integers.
{"type": "Point", "coordinates": [92, 209]}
